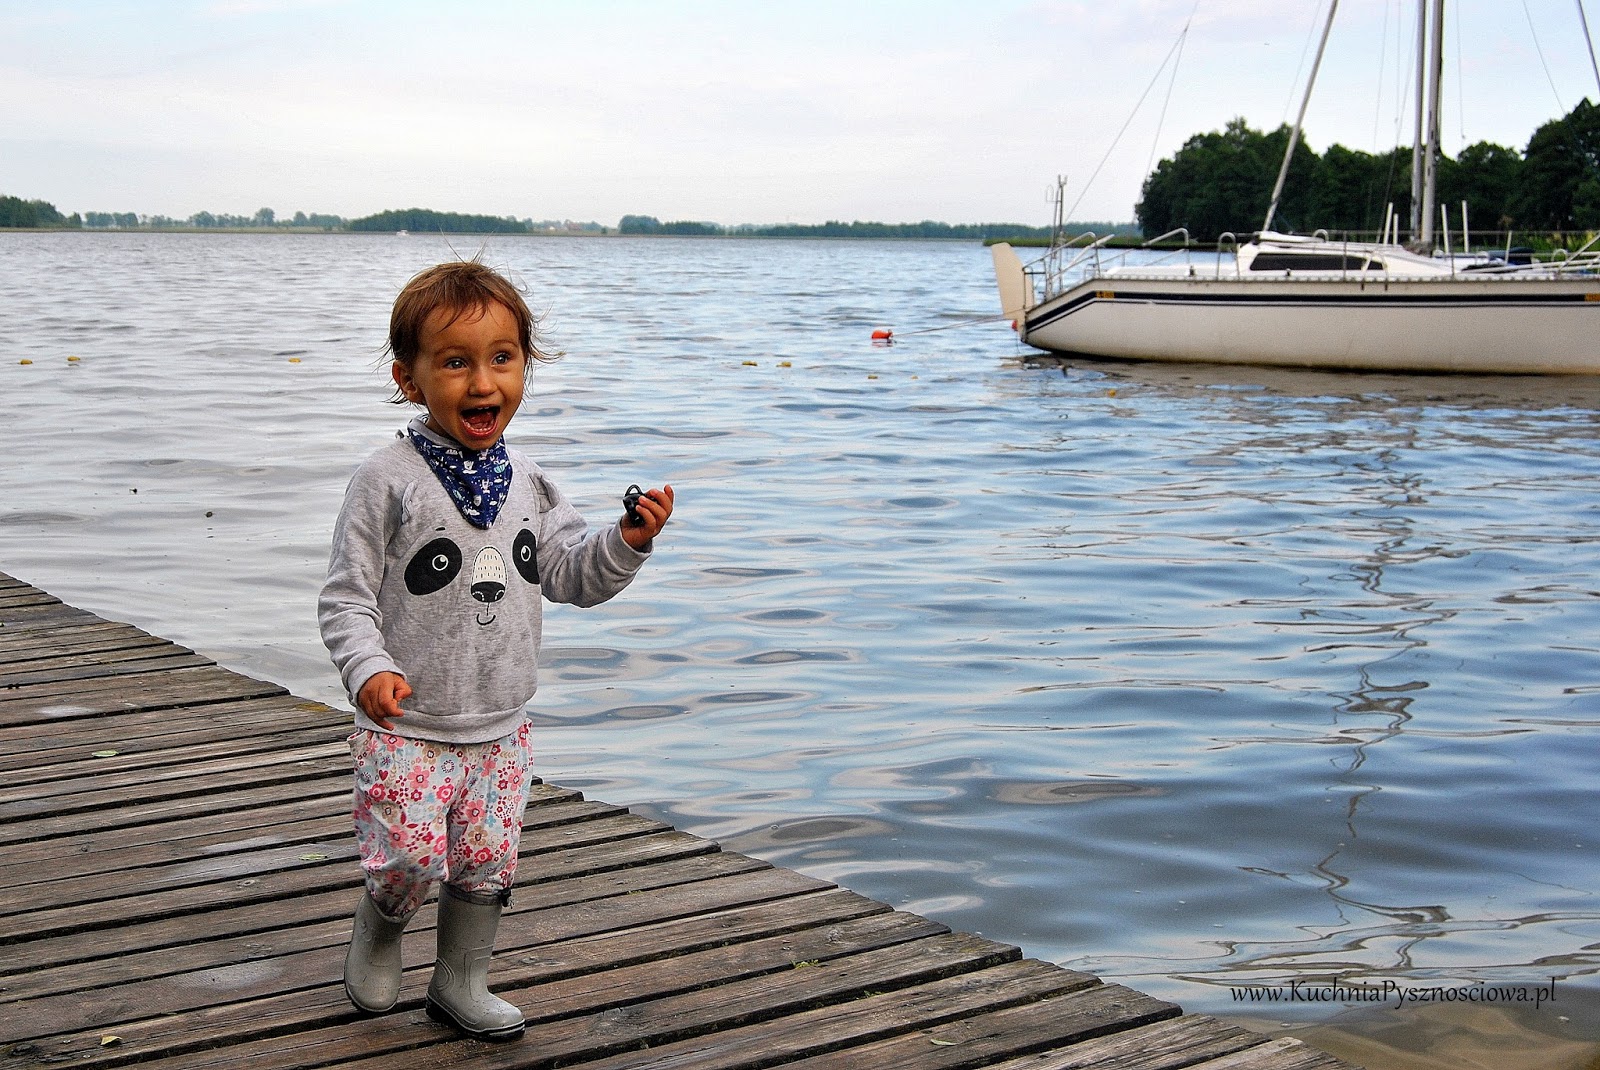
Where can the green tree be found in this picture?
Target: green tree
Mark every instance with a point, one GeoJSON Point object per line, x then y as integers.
{"type": "Point", "coordinates": [1222, 181]}
{"type": "Point", "coordinates": [1351, 190]}
{"type": "Point", "coordinates": [1487, 177]}
{"type": "Point", "coordinates": [426, 220]}
{"type": "Point", "coordinates": [16, 212]}
{"type": "Point", "coordinates": [1559, 184]}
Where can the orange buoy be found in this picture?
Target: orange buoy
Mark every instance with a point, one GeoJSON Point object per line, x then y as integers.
{"type": "Point", "coordinates": [882, 334]}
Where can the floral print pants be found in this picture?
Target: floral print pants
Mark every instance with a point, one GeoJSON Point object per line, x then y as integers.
{"type": "Point", "coordinates": [427, 811]}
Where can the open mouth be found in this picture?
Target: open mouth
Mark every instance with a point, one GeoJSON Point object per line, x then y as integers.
{"type": "Point", "coordinates": [480, 422]}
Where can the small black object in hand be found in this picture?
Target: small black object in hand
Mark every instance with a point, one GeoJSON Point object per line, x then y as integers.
{"type": "Point", "coordinates": [630, 502]}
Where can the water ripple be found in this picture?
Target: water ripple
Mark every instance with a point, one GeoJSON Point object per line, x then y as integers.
{"type": "Point", "coordinates": [1189, 676]}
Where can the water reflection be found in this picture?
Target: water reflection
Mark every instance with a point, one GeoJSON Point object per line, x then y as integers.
{"type": "Point", "coordinates": [1182, 675]}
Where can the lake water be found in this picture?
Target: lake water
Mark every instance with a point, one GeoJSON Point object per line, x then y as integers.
{"type": "Point", "coordinates": [1192, 678]}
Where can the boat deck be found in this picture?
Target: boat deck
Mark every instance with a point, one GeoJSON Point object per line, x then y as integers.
{"type": "Point", "coordinates": [177, 874]}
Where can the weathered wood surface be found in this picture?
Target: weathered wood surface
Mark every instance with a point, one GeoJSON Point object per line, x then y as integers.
{"type": "Point", "coordinates": [177, 875]}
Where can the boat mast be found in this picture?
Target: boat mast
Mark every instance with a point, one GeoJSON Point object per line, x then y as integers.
{"type": "Point", "coordinates": [1294, 135]}
{"type": "Point", "coordinates": [1430, 164]}
{"type": "Point", "coordinates": [1421, 138]}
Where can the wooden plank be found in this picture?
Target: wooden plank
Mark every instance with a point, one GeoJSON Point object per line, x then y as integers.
{"type": "Point", "coordinates": [274, 878]}
{"type": "Point", "coordinates": [64, 875]}
{"type": "Point", "coordinates": [104, 852]}
{"type": "Point", "coordinates": [1049, 1035]}
{"type": "Point", "coordinates": [929, 1005]}
{"type": "Point", "coordinates": [322, 919]}
{"type": "Point", "coordinates": [308, 957]}
{"type": "Point", "coordinates": [31, 880]}
{"type": "Point", "coordinates": [71, 763]}
{"type": "Point", "coordinates": [25, 617]}
{"type": "Point", "coordinates": [177, 782]}
{"type": "Point", "coordinates": [112, 781]}
{"type": "Point", "coordinates": [1282, 1054]}
{"type": "Point", "coordinates": [111, 775]}
{"type": "Point", "coordinates": [101, 666]}
{"type": "Point", "coordinates": [172, 809]}
{"type": "Point", "coordinates": [567, 1031]}
{"type": "Point", "coordinates": [753, 1022]}
{"type": "Point", "coordinates": [144, 894]}
{"type": "Point", "coordinates": [93, 698]}
{"type": "Point", "coordinates": [591, 972]}
{"type": "Point", "coordinates": [25, 599]}
{"type": "Point", "coordinates": [131, 729]}
{"type": "Point", "coordinates": [77, 645]}
{"type": "Point", "coordinates": [1170, 1044]}
{"type": "Point", "coordinates": [78, 639]}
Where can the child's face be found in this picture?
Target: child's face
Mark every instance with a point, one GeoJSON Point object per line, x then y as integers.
{"type": "Point", "coordinates": [469, 373]}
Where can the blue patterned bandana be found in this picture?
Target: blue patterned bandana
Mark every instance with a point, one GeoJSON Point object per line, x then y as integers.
{"type": "Point", "coordinates": [476, 480]}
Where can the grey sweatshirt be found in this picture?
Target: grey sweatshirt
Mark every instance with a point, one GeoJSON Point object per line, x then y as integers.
{"type": "Point", "coordinates": [414, 589]}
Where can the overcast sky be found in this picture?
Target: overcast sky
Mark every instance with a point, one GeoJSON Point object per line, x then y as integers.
{"type": "Point", "coordinates": [731, 111]}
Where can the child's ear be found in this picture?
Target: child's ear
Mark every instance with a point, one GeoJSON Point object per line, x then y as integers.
{"type": "Point", "coordinates": [407, 385]}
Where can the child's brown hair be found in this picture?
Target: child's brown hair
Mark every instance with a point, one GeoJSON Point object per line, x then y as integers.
{"type": "Point", "coordinates": [458, 287]}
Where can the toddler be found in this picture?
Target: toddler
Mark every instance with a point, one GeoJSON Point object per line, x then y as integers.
{"type": "Point", "coordinates": [446, 543]}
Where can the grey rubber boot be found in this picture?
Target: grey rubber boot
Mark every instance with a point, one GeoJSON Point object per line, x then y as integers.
{"type": "Point", "coordinates": [372, 965]}
{"type": "Point", "coordinates": [459, 994]}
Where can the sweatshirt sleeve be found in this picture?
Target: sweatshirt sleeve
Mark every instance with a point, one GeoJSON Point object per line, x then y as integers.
{"type": "Point", "coordinates": [347, 610]}
{"type": "Point", "coordinates": [576, 565]}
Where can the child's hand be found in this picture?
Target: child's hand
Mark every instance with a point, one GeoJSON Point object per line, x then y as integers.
{"type": "Point", "coordinates": [380, 699]}
{"type": "Point", "coordinates": [654, 507]}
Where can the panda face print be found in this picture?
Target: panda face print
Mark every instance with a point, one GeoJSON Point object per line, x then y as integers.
{"type": "Point", "coordinates": [525, 555]}
{"type": "Point", "coordinates": [488, 580]}
{"type": "Point", "coordinates": [437, 564]}
{"type": "Point", "coordinates": [433, 567]}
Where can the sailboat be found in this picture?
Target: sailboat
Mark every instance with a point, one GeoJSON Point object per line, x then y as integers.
{"type": "Point", "coordinates": [1314, 301]}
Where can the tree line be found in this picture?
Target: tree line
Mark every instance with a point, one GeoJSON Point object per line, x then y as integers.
{"type": "Point", "coordinates": [646, 224]}
{"type": "Point", "coordinates": [1222, 182]}
{"type": "Point", "coordinates": [15, 212]}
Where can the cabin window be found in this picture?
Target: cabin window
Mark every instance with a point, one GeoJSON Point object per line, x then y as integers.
{"type": "Point", "coordinates": [1313, 262]}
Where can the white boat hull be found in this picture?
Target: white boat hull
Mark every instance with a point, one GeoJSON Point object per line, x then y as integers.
{"type": "Point", "coordinates": [1547, 325]}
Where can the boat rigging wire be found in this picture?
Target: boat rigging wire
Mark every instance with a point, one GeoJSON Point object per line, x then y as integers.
{"type": "Point", "coordinates": [1150, 162]}
{"type": "Point", "coordinates": [1305, 47]}
{"type": "Point", "coordinates": [1294, 135]}
{"type": "Point", "coordinates": [1383, 59]}
{"type": "Point", "coordinates": [1589, 40]}
{"type": "Point", "coordinates": [1177, 47]}
{"type": "Point", "coordinates": [1540, 50]}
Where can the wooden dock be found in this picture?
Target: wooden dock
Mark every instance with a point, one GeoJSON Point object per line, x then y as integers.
{"type": "Point", "coordinates": [177, 875]}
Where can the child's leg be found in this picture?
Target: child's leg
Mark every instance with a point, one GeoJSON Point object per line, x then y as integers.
{"type": "Point", "coordinates": [403, 792]}
{"type": "Point", "coordinates": [485, 830]}
{"type": "Point", "coordinates": [485, 821]}
{"type": "Point", "coordinates": [402, 832]}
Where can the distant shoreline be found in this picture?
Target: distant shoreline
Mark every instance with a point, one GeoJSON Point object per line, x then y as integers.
{"type": "Point", "coordinates": [303, 231]}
